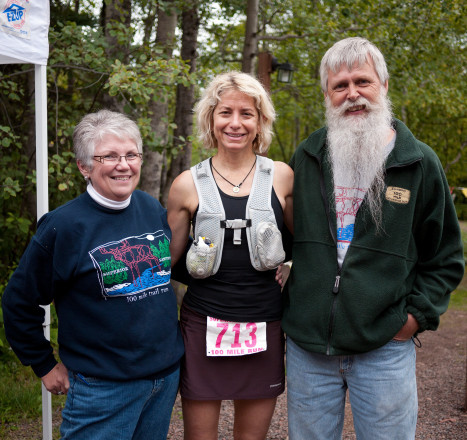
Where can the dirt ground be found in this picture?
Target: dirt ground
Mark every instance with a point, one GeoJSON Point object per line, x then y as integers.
{"type": "Point", "coordinates": [441, 378]}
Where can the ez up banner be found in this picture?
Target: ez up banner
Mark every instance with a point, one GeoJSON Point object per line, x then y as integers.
{"type": "Point", "coordinates": [24, 28]}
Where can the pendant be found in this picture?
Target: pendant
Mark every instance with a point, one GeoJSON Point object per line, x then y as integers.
{"type": "Point", "coordinates": [236, 189]}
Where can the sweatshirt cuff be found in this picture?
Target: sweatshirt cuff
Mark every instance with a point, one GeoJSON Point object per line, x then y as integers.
{"type": "Point", "coordinates": [422, 322]}
{"type": "Point", "coordinates": [40, 370]}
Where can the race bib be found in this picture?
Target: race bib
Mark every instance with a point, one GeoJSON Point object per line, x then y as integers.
{"type": "Point", "coordinates": [226, 338]}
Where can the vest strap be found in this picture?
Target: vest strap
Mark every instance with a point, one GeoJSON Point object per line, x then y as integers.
{"type": "Point", "coordinates": [237, 225]}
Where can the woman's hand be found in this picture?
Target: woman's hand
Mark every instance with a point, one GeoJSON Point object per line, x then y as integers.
{"type": "Point", "coordinates": [282, 273]}
{"type": "Point", "coordinates": [56, 380]}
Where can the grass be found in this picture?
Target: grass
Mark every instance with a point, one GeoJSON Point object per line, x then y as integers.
{"type": "Point", "coordinates": [21, 395]}
{"type": "Point", "coordinates": [20, 390]}
{"type": "Point", "coordinates": [21, 399]}
{"type": "Point", "coordinates": [459, 296]}
{"type": "Point", "coordinates": [463, 225]}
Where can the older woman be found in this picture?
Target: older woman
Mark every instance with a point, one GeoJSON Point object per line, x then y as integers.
{"type": "Point", "coordinates": [231, 312]}
{"type": "Point", "coordinates": [103, 259]}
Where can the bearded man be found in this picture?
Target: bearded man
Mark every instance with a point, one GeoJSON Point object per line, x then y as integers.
{"type": "Point", "coordinates": [377, 251]}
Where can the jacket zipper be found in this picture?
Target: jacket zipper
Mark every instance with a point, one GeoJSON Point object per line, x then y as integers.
{"type": "Point", "coordinates": [335, 289]}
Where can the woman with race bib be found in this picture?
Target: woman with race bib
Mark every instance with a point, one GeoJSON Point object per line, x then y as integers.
{"type": "Point", "coordinates": [237, 203]}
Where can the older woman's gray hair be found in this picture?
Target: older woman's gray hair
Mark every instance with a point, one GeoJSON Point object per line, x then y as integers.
{"type": "Point", "coordinates": [246, 84]}
{"type": "Point", "coordinates": [348, 52]}
{"type": "Point", "coordinates": [94, 126]}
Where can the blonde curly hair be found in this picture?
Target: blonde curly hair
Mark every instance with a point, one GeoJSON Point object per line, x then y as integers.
{"type": "Point", "coordinates": [246, 84]}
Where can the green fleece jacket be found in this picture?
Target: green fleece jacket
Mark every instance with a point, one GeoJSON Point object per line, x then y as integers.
{"type": "Point", "coordinates": [409, 267]}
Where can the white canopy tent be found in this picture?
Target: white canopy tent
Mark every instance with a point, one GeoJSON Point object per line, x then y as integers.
{"type": "Point", "coordinates": [24, 28]}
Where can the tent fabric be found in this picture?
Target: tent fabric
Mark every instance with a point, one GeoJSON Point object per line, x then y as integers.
{"type": "Point", "coordinates": [24, 27]}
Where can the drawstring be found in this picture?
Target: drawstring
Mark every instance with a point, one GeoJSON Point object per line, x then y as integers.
{"type": "Point", "coordinates": [416, 341]}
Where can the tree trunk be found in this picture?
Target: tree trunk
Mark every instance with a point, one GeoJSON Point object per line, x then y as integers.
{"type": "Point", "coordinates": [185, 100]}
{"type": "Point", "coordinates": [115, 12]}
{"type": "Point", "coordinates": [154, 161]}
{"type": "Point", "coordinates": [250, 47]}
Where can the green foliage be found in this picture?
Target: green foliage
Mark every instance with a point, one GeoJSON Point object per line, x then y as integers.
{"type": "Point", "coordinates": [145, 80]}
{"type": "Point", "coordinates": [460, 202]}
{"type": "Point", "coordinates": [424, 47]}
{"type": "Point", "coordinates": [3, 341]}
{"type": "Point", "coordinates": [63, 171]}
{"type": "Point", "coordinates": [422, 44]}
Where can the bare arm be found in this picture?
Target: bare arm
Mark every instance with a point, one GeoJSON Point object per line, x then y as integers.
{"type": "Point", "coordinates": [283, 185]}
{"type": "Point", "coordinates": [181, 205]}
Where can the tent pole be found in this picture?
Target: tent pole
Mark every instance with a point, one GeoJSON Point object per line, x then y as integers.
{"type": "Point", "coordinates": [42, 208]}
{"type": "Point", "coordinates": [41, 140]}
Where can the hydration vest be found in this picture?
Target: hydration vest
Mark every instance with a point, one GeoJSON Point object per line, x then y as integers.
{"type": "Point", "coordinates": [211, 222]}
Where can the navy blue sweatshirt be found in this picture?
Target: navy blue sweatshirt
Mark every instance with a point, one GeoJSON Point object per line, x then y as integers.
{"type": "Point", "coordinates": [108, 273]}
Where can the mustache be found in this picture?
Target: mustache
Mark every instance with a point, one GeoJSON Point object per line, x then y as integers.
{"type": "Point", "coordinates": [341, 110]}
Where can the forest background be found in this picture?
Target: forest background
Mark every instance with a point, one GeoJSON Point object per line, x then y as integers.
{"type": "Point", "coordinates": [150, 59]}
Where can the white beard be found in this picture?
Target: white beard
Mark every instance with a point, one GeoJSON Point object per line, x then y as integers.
{"type": "Point", "coordinates": [357, 151]}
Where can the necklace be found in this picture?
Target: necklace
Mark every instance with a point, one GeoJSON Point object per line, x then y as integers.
{"type": "Point", "coordinates": [236, 188]}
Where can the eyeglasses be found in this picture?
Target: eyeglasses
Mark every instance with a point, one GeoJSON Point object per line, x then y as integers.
{"type": "Point", "coordinates": [115, 158]}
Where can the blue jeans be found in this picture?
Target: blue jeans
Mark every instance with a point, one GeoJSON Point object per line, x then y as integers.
{"type": "Point", "coordinates": [382, 390]}
{"type": "Point", "coordinates": [99, 409]}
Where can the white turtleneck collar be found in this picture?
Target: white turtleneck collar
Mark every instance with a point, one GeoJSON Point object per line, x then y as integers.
{"type": "Point", "coordinates": [107, 203]}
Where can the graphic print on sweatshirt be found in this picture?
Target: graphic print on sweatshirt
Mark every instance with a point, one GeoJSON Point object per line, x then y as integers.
{"type": "Point", "coordinates": [348, 201]}
{"type": "Point", "coordinates": [133, 264]}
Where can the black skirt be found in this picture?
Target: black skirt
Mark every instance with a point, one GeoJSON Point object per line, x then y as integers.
{"type": "Point", "coordinates": [256, 376]}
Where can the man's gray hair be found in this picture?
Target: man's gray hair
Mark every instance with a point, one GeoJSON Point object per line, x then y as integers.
{"type": "Point", "coordinates": [94, 126]}
{"type": "Point", "coordinates": [350, 51]}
